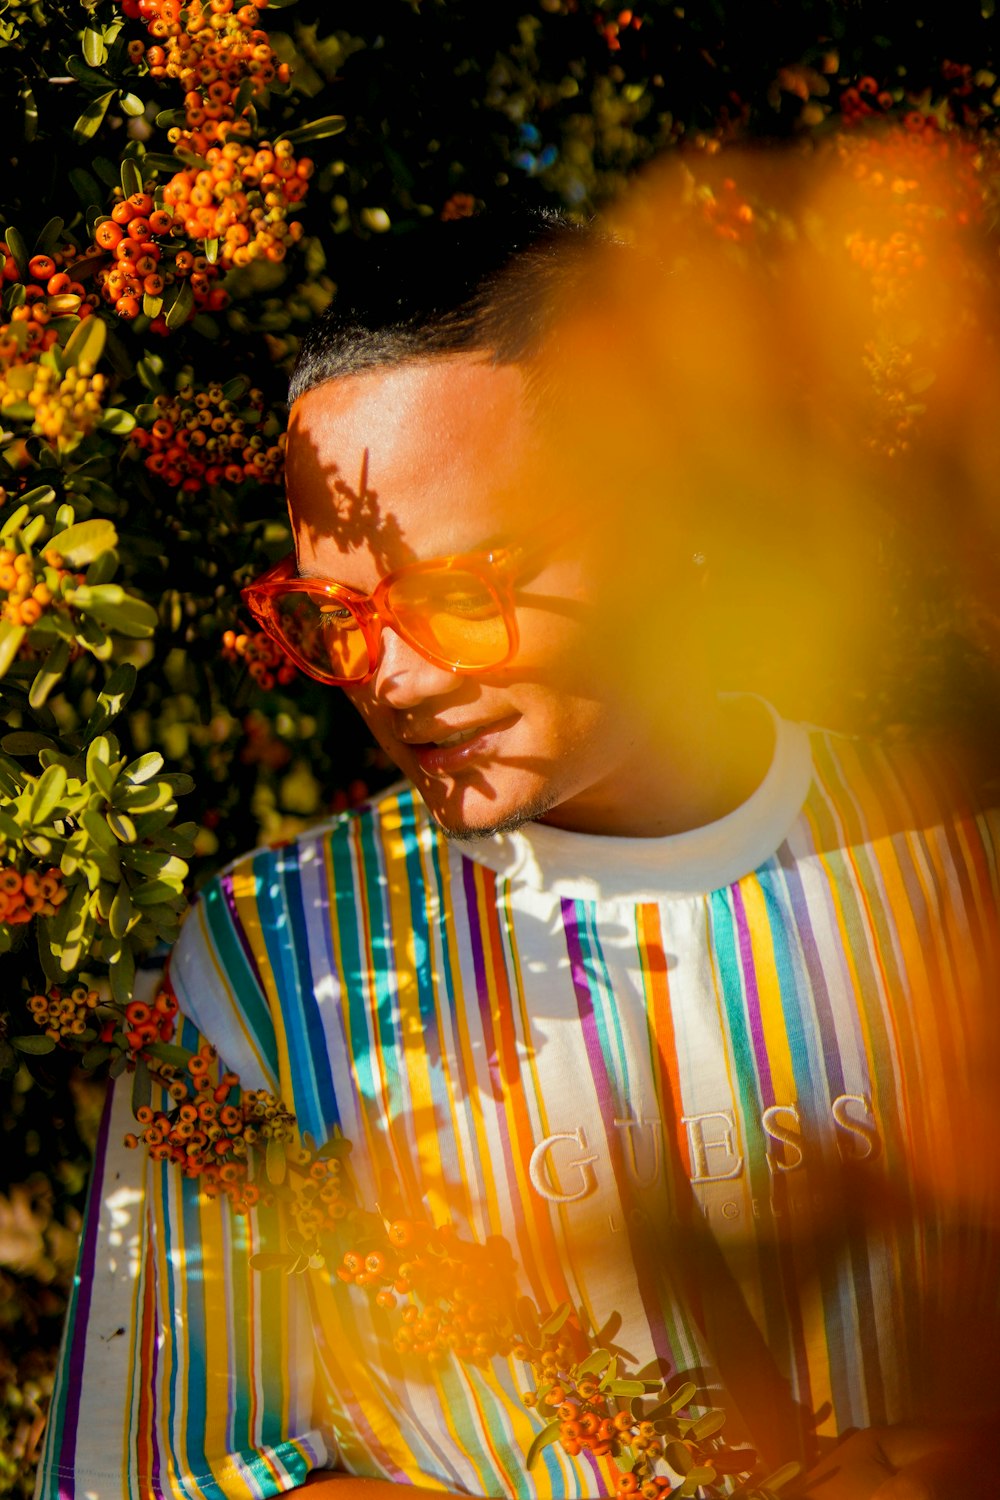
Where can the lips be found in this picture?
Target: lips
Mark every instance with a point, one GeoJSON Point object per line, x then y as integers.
{"type": "Point", "coordinates": [452, 751]}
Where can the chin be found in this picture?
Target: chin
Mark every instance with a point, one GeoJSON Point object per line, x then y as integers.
{"type": "Point", "coordinates": [468, 814]}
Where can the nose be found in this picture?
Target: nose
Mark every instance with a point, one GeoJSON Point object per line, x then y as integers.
{"type": "Point", "coordinates": [404, 678]}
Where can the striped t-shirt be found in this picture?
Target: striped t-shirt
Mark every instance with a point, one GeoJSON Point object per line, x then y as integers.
{"type": "Point", "coordinates": [732, 1088]}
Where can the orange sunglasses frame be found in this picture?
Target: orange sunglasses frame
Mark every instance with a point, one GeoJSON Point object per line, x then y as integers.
{"type": "Point", "coordinates": [373, 611]}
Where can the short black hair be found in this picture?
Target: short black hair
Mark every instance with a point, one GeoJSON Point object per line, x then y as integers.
{"type": "Point", "coordinates": [486, 283]}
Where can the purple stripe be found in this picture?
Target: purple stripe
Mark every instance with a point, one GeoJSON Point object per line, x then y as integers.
{"type": "Point", "coordinates": [754, 1018]}
{"type": "Point", "coordinates": [493, 1055]}
{"type": "Point", "coordinates": [238, 932]}
{"type": "Point", "coordinates": [66, 1458]}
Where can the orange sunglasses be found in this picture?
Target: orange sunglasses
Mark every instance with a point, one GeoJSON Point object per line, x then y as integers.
{"type": "Point", "coordinates": [458, 612]}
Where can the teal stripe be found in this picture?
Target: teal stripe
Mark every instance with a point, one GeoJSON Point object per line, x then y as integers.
{"type": "Point", "coordinates": [242, 979]}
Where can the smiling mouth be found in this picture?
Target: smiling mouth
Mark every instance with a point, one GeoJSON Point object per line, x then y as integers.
{"type": "Point", "coordinates": [463, 745]}
{"type": "Point", "coordinates": [460, 737]}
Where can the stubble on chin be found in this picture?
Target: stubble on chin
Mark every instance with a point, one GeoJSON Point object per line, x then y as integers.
{"type": "Point", "coordinates": [468, 831]}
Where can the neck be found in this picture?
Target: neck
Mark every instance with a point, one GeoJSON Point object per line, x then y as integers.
{"type": "Point", "coordinates": [679, 776]}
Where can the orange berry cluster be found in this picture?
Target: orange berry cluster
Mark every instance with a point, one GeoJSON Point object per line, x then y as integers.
{"type": "Point", "coordinates": [465, 1292]}
{"type": "Point", "coordinates": [29, 587]}
{"type": "Point", "coordinates": [212, 49]}
{"type": "Point", "coordinates": [135, 270]}
{"type": "Point", "coordinates": [221, 1137]}
{"type": "Point", "coordinates": [64, 1017]}
{"type": "Point", "coordinates": [199, 437]}
{"type": "Point", "coordinates": [266, 662]}
{"type": "Point", "coordinates": [149, 1023]}
{"type": "Point", "coordinates": [50, 291]}
{"type": "Point", "coordinates": [242, 199]}
{"type": "Point", "coordinates": [861, 101]}
{"type": "Point", "coordinates": [203, 1133]}
{"type": "Point", "coordinates": [33, 894]}
{"type": "Point", "coordinates": [728, 214]}
{"type": "Point", "coordinates": [891, 173]}
{"type": "Point", "coordinates": [626, 20]}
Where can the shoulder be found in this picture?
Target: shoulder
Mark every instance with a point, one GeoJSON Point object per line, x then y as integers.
{"type": "Point", "coordinates": [866, 790]}
{"type": "Point", "coordinates": [277, 917]}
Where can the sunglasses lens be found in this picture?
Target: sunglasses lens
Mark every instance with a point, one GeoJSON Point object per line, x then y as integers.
{"type": "Point", "coordinates": [453, 614]}
{"type": "Point", "coordinates": [322, 634]}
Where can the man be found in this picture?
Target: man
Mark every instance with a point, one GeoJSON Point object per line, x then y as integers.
{"type": "Point", "coordinates": [687, 1003]}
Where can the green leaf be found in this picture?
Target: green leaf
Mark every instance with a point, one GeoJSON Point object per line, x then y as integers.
{"type": "Point", "coordinates": [168, 118]}
{"type": "Point", "coordinates": [19, 250]}
{"type": "Point", "coordinates": [151, 306]}
{"type": "Point", "coordinates": [679, 1458]}
{"type": "Point", "coordinates": [112, 698]}
{"type": "Point", "coordinates": [131, 177]}
{"type": "Point", "coordinates": [155, 892]}
{"type": "Point", "coordinates": [705, 1426]}
{"type": "Point", "coordinates": [144, 767]}
{"type": "Point", "coordinates": [96, 828]}
{"type": "Point", "coordinates": [142, 1087]}
{"type": "Point", "coordinates": [121, 911]}
{"type": "Point", "coordinates": [94, 51]}
{"type": "Point", "coordinates": [89, 123]}
{"type": "Point", "coordinates": [80, 544]}
{"type": "Point", "coordinates": [14, 520]}
{"type": "Point", "coordinates": [131, 104]}
{"type": "Point", "coordinates": [103, 568]}
{"type": "Point", "coordinates": [87, 75]}
{"type": "Point", "coordinates": [316, 130]}
{"type": "Point", "coordinates": [95, 1055]}
{"type": "Point", "coordinates": [86, 188]}
{"type": "Point", "coordinates": [142, 799]}
{"type": "Point", "coordinates": [122, 975]}
{"type": "Point", "coordinates": [111, 607]}
{"type": "Point", "coordinates": [275, 1163]}
{"type": "Point", "coordinates": [122, 827]}
{"type": "Point", "coordinates": [149, 369]}
{"type": "Point", "coordinates": [11, 636]}
{"type": "Point", "coordinates": [117, 421]}
{"type": "Point", "coordinates": [26, 742]}
{"type": "Point", "coordinates": [47, 794]}
{"type": "Point", "coordinates": [160, 161]}
{"type": "Point", "coordinates": [49, 673]}
{"type": "Point", "coordinates": [553, 1323]}
{"type": "Point", "coordinates": [86, 343]}
{"type": "Point", "coordinates": [681, 1396]}
{"type": "Point", "coordinates": [543, 1439]}
{"type": "Point", "coordinates": [182, 306]}
{"type": "Point", "coordinates": [594, 1364]}
{"type": "Point", "coordinates": [37, 1046]}
{"type": "Point", "coordinates": [624, 1387]}
{"type": "Point", "coordinates": [30, 108]}
{"type": "Point", "coordinates": [48, 236]}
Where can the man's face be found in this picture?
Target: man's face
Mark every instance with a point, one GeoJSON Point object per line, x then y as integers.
{"type": "Point", "coordinates": [425, 460]}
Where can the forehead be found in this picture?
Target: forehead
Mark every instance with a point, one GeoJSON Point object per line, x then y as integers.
{"type": "Point", "coordinates": [414, 461]}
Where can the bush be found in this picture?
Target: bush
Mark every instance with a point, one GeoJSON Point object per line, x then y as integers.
{"type": "Point", "coordinates": [183, 188]}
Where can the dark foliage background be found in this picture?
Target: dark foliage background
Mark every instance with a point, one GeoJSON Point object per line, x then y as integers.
{"type": "Point", "coordinates": [427, 109]}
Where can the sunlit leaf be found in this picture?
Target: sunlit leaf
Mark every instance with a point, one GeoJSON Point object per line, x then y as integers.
{"type": "Point", "coordinates": [81, 543]}
{"type": "Point", "coordinates": [543, 1439]}
{"type": "Point", "coordinates": [94, 50]}
{"type": "Point", "coordinates": [86, 343]}
{"type": "Point", "coordinates": [316, 130]}
{"type": "Point", "coordinates": [89, 123]}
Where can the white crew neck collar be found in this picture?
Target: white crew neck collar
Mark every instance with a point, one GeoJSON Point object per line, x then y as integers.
{"type": "Point", "coordinates": [596, 867]}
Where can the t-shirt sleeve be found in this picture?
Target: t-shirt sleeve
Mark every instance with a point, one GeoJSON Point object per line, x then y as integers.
{"type": "Point", "coordinates": [184, 1372]}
